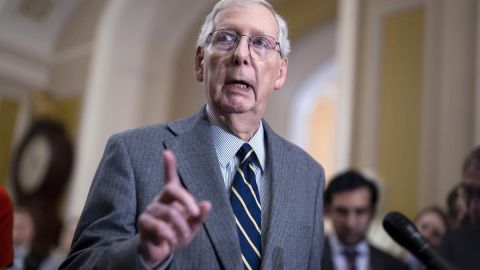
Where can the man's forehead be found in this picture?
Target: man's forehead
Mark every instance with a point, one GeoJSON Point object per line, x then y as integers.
{"type": "Point", "coordinates": [360, 196]}
{"type": "Point", "coordinates": [350, 208]}
{"type": "Point", "coordinates": [260, 18]}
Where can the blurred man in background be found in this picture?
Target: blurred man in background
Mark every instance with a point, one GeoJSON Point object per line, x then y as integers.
{"type": "Point", "coordinates": [23, 234]}
{"type": "Point", "coordinates": [462, 246]}
{"type": "Point", "coordinates": [350, 203]}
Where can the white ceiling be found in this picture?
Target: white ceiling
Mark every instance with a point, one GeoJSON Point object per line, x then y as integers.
{"type": "Point", "coordinates": [28, 36]}
{"type": "Point", "coordinates": [32, 27]}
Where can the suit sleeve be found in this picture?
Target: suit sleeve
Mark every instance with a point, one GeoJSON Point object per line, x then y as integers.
{"type": "Point", "coordinates": [106, 236]}
{"type": "Point", "coordinates": [316, 250]}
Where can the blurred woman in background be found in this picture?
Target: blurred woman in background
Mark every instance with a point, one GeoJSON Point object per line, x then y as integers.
{"type": "Point", "coordinates": [432, 224]}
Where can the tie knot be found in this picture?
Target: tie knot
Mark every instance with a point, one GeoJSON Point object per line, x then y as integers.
{"type": "Point", "coordinates": [350, 254]}
{"type": "Point", "coordinates": [245, 152]}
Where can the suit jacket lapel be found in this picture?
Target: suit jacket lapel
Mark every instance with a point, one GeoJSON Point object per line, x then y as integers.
{"type": "Point", "coordinates": [280, 210]}
{"type": "Point", "coordinates": [200, 173]}
{"type": "Point", "coordinates": [375, 261]}
{"type": "Point", "coordinates": [327, 263]}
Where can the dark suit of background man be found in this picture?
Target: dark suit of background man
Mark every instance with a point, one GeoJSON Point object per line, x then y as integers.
{"type": "Point", "coordinates": [462, 246]}
{"type": "Point", "coordinates": [350, 202]}
{"type": "Point", "coordinates": [161, 195]}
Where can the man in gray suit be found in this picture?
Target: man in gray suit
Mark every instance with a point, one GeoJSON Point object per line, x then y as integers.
{"type": "Point", "coordinates": [165, 196]}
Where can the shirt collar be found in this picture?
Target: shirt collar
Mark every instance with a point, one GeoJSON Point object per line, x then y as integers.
{"type": "Point", "coordinates": [227, 144]}
{"type": "Point", "coordinates": [338, 248]}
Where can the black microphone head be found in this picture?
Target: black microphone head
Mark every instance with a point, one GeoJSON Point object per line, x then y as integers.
{"type": "Point", "coordinates": [404, 232]}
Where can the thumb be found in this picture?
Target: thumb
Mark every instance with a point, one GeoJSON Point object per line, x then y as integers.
{"type": "Point", "coordinates": [170, 168]}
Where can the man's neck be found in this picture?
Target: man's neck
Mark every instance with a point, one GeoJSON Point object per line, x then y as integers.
{"type": "Point", "coordinates": [335, 241]}
{"type": "Point", "coordinates": [243, 125]}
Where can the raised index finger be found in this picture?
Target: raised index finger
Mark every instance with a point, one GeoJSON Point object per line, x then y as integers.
{"type": "Point", "coordinates": [170, 162]}
{"type": "Point", "coordinates": [173, 190]}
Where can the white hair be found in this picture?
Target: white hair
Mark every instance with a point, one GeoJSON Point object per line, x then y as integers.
{"type": "Point", "coordinates": [208, 26]}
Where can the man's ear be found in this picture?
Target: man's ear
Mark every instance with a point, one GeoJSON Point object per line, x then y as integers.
{"type": "Point", "coordinates": [199, 64]}
{"type": "Point", "coordinates": [326, 211]}
{"type": "Point", "coordinates": [282, 74]}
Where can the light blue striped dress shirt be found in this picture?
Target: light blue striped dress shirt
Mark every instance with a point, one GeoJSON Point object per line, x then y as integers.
{"type": "Point", "coordinates": [226, 146]}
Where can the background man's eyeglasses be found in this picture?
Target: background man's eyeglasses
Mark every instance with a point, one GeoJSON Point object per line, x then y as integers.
{"type": "Point", "coordinates": [471, 192]}
{"type": "Point", "coordinates": [260, 46]}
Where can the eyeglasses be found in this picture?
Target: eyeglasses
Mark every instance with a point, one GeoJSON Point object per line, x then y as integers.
{"type": "Point", "coordinates": [260, 46]}
{"type": "Point", "coordinates": [471, 192]}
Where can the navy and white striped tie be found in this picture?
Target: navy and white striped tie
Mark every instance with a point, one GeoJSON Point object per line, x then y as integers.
{"type": "Point", "coordinates": [245, 201]}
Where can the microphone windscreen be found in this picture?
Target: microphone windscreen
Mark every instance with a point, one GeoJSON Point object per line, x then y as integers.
{"type": "Point", "coordinates": [404, 232]}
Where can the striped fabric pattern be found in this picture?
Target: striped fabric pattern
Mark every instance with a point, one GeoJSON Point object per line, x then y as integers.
{"type": "Point", "coordinates": [245, 200]}
{"type": "Point", "coordinates": [226, 147]}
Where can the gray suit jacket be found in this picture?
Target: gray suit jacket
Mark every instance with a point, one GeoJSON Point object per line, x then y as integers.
{"type": "Point", "coordinates": [131, 173]}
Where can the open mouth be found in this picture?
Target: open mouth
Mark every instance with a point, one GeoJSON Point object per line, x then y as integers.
{"type": "Point", "coordinates": [239, 84]}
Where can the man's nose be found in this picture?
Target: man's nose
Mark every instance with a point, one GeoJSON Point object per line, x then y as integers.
{"type": "Point", "coordinates": [351, 220]}
{"type": "Point", "coordinates": [241, 54]}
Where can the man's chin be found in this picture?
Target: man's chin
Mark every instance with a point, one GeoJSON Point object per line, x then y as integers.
{"type": "Point", "coordinates": [350, 241]}
{"type": "Point", "coordinates": [236, 108]}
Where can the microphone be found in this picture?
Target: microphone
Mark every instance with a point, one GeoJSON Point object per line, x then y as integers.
{"type": "Point", "coordinates": [404, 232]}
